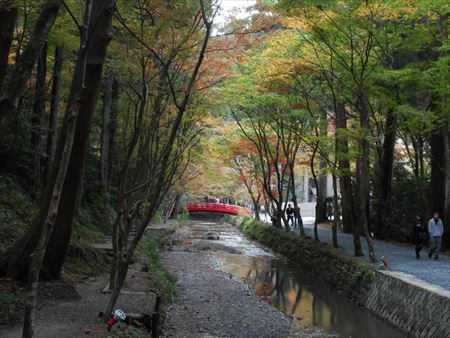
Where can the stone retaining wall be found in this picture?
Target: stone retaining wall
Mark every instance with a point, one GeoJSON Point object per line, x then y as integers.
{"type": "Point", "coordinates": [412, 306]}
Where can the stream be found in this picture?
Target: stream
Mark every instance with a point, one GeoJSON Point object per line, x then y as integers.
{"type": "Point", "coordinates": [315, 308]}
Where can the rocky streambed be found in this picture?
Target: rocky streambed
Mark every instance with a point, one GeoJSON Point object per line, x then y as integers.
{"type": "Point", "coordinates": [229, 286]}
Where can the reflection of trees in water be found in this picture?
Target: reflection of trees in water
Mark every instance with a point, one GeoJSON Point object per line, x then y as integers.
{"type": "Point", "coordinates": [297, 299]}
{"type": "Point", "coordinates": [313, 310]}
{"type": "Point", "coordinates": [293, 294]}
{"type": "Point", "coordinates": [272, 283]}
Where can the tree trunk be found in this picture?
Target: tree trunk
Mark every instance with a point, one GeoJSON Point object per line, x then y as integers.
{"type": "Point", "coordinates": [101, 19]}
{"type": "Point", "coordinates": [156, 317]}
{"type": "Point", "coordinates": [121, 275]}
{"type": "Point", "coordinates": [14, 89]}
{"type": "Point", "coordinates": [313, 172]}
{"type": "Point", "coordinates": [321, 202]}
{"type": "Point", "coordinates": [105, 147]}
{"type": "Point", "coordinates": [8, 16]}
{"type": "Point", "coordinates": [113, 127]}
{"type": "Point", "coordinates": [105, 135]}
{"type": "Point", "coordinates": [256, 207]}
{"type": "Point", "coordinates": [344, 167]}
{"type": "Point", "coordinates": [335, 212]}
{"type": "Point", "coordinates": [38, 116]}
{"type": "Point", "coordinates": [297, 211]}
{"type": "Point", "coordinates": [38, 255]}
{"type": "Point", "coordinates": [54, 113]}
{"type": "Point", "coordinates": [321, 206]}
{"type": "Point", "coordinates": [348, 208]}
{"type": "Point", "coordinates": [15, 261]}
{"type": "Point", "coordinates": [363, 176]}
{"type": "Point", "coordinates": [386, 173]}
{"type": "Point", "coordinates": [177, 207]}
{"type": "Point", "coordinates": [440, 167]}
{"type": "Point", "coordinates": [162, 182]}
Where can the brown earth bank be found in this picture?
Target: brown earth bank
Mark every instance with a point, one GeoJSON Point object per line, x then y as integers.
{"type": "Point", "coordinates": [66, 311]}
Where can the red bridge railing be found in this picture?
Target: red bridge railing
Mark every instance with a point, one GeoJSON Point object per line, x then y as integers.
{"type": "Point", "coordinates": [218, 207]}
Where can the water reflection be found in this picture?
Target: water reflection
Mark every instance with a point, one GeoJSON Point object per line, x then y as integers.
{"type": "Point", "coordinates": [309, 302]}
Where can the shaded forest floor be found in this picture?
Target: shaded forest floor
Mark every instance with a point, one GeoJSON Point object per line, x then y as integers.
{"type": "Point", "coordinates": [70, 308]}
{"type": "Point", "coordinates": [73, 311]}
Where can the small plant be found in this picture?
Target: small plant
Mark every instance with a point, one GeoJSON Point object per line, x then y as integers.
{"type": "Point", "coordinates": [179, 220]}
{"type": "Point", "coordinates": [8, 307]}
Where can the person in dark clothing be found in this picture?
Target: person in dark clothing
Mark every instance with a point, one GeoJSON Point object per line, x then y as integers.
{"type": "Point", "coordinates": [274, 220]}
{"type": "Point", "coordinates": [290, 214]}
{"type": "Point", "coordinates": [419, 235]}
{"type": "Point", "coordinates": [296, 217]}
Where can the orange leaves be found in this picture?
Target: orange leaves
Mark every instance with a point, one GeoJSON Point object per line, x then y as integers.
{"type": "Point", "coordinates": [242, 147]}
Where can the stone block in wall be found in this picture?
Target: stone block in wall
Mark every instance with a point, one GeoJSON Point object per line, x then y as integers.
{"type": "Point", "coordinates": [415, 307]}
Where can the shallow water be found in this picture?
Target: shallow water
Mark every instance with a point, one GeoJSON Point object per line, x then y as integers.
{"type": "Point", "coordinates": [316, 309]}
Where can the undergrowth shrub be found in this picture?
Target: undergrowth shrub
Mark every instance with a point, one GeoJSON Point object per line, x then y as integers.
{"type": "Point", "coordinates": [8, 306]}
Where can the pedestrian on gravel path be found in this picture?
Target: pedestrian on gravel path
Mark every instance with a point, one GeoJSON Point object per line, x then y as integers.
{"type": "Point", "coordinates": [296, 217]}
{"type": "Point", "coordinates": [290, 215]}
{"type": "Point", "coordinates": [436, 230]}
{"type": "Point", "coordinates": [419, 235]}
{"type": "Point", "coordinates": [274, 221]}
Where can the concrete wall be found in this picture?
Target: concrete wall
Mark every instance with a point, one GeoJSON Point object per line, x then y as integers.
{"type": "Point", "coordinates": [414, 307]}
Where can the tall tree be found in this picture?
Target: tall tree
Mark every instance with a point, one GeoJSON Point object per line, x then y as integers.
{"type": "Point", "coordinates": [8, 16]}
{"type": "Point", "coordinates": [106, 127]}
{"type": "Point", "coordinates": [386, 172]}
{"type": "Point", "coordinates": [95, 36]}
{"type": "Point", "coordinates": [99, 36]}
{"type": "Point", "coordinates": [55, 108]}
{"type": "Point", "coordinates": [170, 143]}
{"type": "Point", "coordinates": [66, 146]}
{"type": "Point", "coordinates": [40, 93]}
{"type": "Point", "coordinates": [13, 90]}
{"type": "Point", "coordinates": [321, 204]}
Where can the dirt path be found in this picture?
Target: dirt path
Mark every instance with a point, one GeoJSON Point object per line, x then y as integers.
{"type": "Point", "coordinates": [212, 303]}
{"type": "Point", "coordinates": [65, 311]}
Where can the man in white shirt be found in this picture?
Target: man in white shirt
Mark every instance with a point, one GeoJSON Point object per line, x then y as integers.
{"type": "Point", "coordinates": [436, 230]}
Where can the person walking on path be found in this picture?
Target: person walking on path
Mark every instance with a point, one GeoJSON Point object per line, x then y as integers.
{"type": "Point", "coordinates": [290, 215]}
{"type": "Point", "coordinates": [419, 235]}
{"type": "Point", "coordinates": [436, 230]}
{"type": "Point", "coordinates": [296, 217]}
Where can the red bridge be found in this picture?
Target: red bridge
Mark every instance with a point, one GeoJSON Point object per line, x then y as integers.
{"type": "Point", "coordinates": [218, 207]}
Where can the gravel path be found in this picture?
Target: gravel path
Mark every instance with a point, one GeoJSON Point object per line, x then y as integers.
{"type": "Point", "coordinates": [401, 257]}
{"type": "Point", "coordinates": [212, 303]}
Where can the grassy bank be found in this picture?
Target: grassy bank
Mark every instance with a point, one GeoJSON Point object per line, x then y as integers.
{"type": "Point", "coordinates": [149, 250]}
{"type": "Point", "coordinates": [160, 279]}
{"type": "Point", "coordinates": [344, 273]}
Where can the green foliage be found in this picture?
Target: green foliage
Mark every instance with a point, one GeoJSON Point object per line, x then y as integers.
{"type": "Point", "coordinates": [16, 209]}
{"type": "Point", "coordinates": [83, 260]}
{"type": "Point", "coordinates": [157, 218]}
{"type": "Point", "coordinates": [161, 279]}
{"type": "Point", "coordinates": [8, 307]}
{"type": "Point", "coordinates": [406, 204]}
{"type": "Point", "coordinates": [180, 220]}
